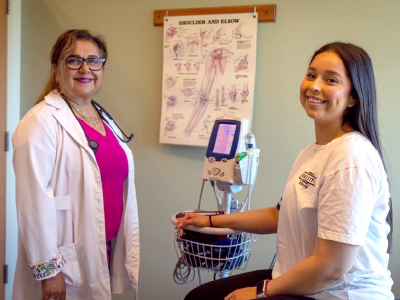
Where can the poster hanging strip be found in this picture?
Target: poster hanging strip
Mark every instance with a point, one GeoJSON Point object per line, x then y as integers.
{"type": "Point", "coordinates": [266, 13]}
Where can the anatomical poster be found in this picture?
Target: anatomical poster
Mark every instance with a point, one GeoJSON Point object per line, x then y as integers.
{"type": "Point", "coordinates": [209, 65]}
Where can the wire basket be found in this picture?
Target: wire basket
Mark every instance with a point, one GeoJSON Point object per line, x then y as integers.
{"type": "Point", "coordinates": [223, 255]}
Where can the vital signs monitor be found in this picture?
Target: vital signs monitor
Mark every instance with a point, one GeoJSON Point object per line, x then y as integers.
{"type": "Point", "coordinates": [228, 151]}
{"type": "Point", "coordinates": [231, 161]}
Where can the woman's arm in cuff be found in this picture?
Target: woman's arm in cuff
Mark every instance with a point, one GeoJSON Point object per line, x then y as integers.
{"type": "Point", "coordinates": [260, 221]}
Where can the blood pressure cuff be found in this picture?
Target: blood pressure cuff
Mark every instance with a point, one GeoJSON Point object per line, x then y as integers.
{"type": "Point", "coordinates": [216, 255]}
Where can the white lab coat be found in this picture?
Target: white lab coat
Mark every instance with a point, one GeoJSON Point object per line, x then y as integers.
{"type": "Point", "coordinates": [60, 207]}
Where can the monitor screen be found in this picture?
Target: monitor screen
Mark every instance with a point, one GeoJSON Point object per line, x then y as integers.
{"type": "Point", "coordinates": [224, 139]}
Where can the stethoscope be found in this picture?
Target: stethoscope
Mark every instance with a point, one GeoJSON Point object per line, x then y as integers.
{"type": "Point", "coordinates": [93, 144]}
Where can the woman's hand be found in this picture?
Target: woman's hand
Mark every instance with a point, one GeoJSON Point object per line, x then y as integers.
{"type": "Point", "coordinates": [191, 219]}
{"type": "Point", "coordinates": [54, 288]}
{"type": "Point", "coordinates": [243, 294]}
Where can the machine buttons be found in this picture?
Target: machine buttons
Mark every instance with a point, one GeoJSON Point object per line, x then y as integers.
{"type": "Point", "coordinates": [215, 171]}
{"type": "Point", "coordinates": [224, 160]}
{"type": "Point", "coordinates": [222, 174]}
{"type": "Point", "coordinates": [211, 160]}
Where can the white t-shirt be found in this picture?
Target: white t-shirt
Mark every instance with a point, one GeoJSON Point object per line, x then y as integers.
{"type": "Point", "coordinates": [338, 192]}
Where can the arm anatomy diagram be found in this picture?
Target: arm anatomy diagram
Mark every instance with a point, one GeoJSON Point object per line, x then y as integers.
{"type": "Point", "coordinates": [237, 33]}
{"type": "Point", "coordinates": [208, 69]}
{"type": "Point", "coordinates": [215, 64]}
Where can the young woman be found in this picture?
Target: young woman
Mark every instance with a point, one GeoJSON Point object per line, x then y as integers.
{"type": "Point", "coordinates": [334, 221]}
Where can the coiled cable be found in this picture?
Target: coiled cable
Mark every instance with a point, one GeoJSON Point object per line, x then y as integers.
{"type": "Point", "coordinates": [183, 273]}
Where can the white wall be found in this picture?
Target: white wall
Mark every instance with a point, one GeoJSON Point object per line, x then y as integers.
{"type": "Point", "coordinates": [13, 116]}
{"type": "Point", "coordinates": [168, 177]}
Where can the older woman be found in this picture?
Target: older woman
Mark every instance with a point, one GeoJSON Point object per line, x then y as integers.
{"type": "Point", "coordinates": [76, 203]}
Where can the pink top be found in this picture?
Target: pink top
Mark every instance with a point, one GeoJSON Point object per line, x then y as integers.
{"type": "Point", "coordinates": [113, 166]}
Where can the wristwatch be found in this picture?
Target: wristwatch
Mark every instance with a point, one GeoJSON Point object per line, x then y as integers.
{"type": "Point", "coordinates": [262, 291]}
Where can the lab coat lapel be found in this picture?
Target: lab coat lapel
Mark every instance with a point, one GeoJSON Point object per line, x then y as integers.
{"type": "Point", "coordinates": [68, 121]}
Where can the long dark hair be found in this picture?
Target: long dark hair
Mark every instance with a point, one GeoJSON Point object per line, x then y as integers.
{"type": "Point", "coordinates": [63, 47]}
{"type": "Point", "coordinates": [363, 115]}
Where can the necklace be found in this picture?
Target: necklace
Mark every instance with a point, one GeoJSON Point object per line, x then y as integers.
{"type": "Point", "coordinates": [94, 121]}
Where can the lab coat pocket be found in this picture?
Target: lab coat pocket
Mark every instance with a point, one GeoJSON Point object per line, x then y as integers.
{"type": "Point", "coordinates": [72, 270]}
{"type": "Point", "coordinates": [65, 226]}
{"type": "Point", "coordinates": [62, 203]}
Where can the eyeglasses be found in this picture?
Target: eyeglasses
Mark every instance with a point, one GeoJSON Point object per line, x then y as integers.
{"type": "Point", "coordinates": [76, 62]}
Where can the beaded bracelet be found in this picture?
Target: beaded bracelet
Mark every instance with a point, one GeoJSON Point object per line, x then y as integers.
{"type": "Point", "coordinates": [266, 288]}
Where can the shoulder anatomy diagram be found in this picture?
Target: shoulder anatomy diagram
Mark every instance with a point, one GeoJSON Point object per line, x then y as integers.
{"type": "Point", "coordinates": [208, 71]}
